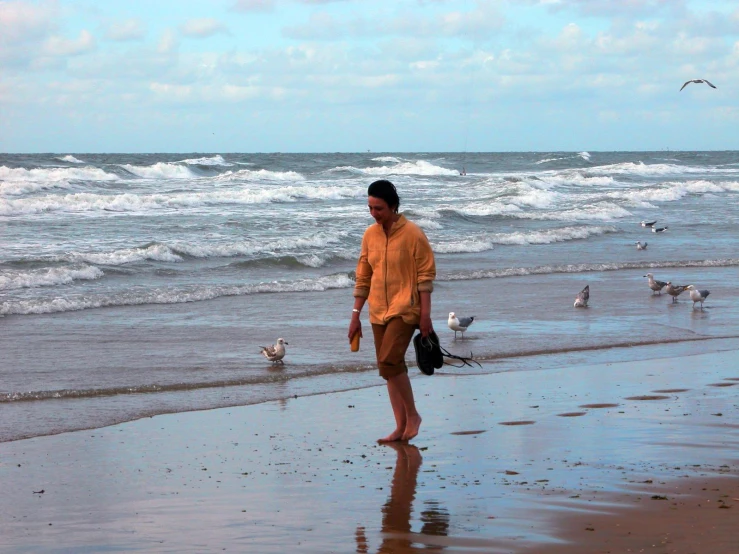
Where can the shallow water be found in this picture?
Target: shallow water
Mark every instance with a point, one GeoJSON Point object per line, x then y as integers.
{"type": "Point", "coordinates": [136, 285]}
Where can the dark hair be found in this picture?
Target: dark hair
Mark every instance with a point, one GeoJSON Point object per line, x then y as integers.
{"type": "Point", "coordinates": [385, 190]}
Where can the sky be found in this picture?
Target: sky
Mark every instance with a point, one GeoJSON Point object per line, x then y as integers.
{"type": "Point", "coordinates": [221, 76]}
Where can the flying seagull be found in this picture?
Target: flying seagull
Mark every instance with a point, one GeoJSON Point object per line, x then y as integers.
{"type": "Point", "coordinates": [659, 229]}
{"type": "Point", "coordinates": [648, 223]}
{"type": "Point", "coordinates": [640, 246]}
{"type": "Point", "coordinates": [697, 295]}
{"type": "Point", "coordinates": [581, 300]}
{"type": "Point", "coordinates": [459, 324]}
{"type": "Point", "coordinates": [276, 352]}
{"type": "Point", "coordinates": [697, 81]}
{"type": "Point", "coordinates": [656, 286]}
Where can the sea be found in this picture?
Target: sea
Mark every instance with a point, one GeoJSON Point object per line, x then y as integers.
{"type": "Point", "coordinates": [133, 285]}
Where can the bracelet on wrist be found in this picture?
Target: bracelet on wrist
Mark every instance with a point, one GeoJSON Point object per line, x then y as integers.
{"type": "Point", "coordinates": [356, 311]}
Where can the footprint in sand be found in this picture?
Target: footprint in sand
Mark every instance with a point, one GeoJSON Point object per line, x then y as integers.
{"type": "Point", "coordinates": [477, 432]}
{"type": "Point", "coordinates": [648, 397]}
{"type": "Point", "coordinates": [671, 390]}
{"type": "Point", "coordinates": [721, 384]}
{"type": "Point", "coordinates": [732, 378]}
{"type": "Point", "coordinates": [525, 422]}
{"type": "Point", "coordinates": [572, 414]}
{"type": "Point", "coordinates": [599, 406]}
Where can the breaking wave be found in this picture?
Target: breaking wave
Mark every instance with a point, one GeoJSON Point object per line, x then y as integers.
{"type": "Point", "coordinates": [46, 277]}
{"type": "Point", "coordinates": [170, 295]}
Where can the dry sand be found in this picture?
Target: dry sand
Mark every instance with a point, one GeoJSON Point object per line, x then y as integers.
{"type": "Point", "coordinates": [618, 457]}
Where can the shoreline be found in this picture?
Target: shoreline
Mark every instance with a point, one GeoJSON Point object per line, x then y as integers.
{"type": "Point", "coordinates": [504, 462]}
{"type": "Point", "coordinates": [628, 351]}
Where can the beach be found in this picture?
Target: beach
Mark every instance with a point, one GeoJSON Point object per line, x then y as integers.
{"type": "Point", "coordinates": [609, 457]}
{"type": "Point", "coordinates": [137, 414]}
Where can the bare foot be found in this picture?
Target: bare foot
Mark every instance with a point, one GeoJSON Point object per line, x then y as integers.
{"type": "Point", "coordinates": [412, 427]}
{"type": "Point", "coordinates": [392, 437]}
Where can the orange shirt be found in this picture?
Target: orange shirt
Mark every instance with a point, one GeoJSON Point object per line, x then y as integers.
{"type": "Point", "coordinates": [393, 269]}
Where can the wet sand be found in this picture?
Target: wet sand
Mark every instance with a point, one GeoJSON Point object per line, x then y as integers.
{"type": "Point", "coordinates": [610, 457]}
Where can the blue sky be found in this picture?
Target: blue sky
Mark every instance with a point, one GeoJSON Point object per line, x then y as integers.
{"type": "Point", "coordinates": [349, 75]}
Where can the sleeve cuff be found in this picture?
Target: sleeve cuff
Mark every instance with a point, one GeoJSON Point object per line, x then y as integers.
{"type": "Point", "coordinates": [361, 292]}
{"type": "Point", "coordinates": [424, 286]}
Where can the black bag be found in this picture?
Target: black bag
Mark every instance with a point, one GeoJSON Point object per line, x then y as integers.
{"type": "Point", "coordinates": [430, 354]}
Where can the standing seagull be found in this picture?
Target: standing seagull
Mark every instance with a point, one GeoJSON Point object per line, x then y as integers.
{"type": "Point", "coordinates": [697, 295]}
{"type": "Point", "coordinates": [581, 300]}
{"type": "Point", "coordinates": [648, 223]}
{"type": "Point", "coordinates": [697, 81]}
{"type": "Point", "coordinates": [656, 286]}
{"type": "Point", "coordinates": [640, 246]}
{"type": "Point", "coordinates": [674, 290]}
{"type": "Point", "coordinates": [276, 352]}
{"type": "Point", "coordinates": [459, 324]}
{"type": "Point", "coordinates": [659, 229]}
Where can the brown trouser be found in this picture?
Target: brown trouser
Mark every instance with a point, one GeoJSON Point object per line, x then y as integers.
{"type": "Point", "coordinates": [391, 343]}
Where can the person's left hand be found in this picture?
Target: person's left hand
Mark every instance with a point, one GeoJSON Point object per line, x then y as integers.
{"type": "Point", "coordinates": [425, 325]}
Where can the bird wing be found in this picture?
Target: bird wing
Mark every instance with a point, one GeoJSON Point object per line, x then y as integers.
{"type": "Point", "coordinates": [585, 293]}
{"type": "Point", "coordinates": [466, 321]}
{"type": "Point", "coordinates": [268, 350]}
{"type": "Point", "coordinates": [709, 84]}
{"type": "Point", "coordinates": [660, 284]}
{"type": "Point", "coordinates": [685, 84]}
{"type": "Point", "coordinates": [704, 293]}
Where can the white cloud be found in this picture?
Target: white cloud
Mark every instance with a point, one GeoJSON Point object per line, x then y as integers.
{"type": "Point", "coordinates": [21, 21]}
{"type": "Point", "coordinates": [61, 46]}
{"type": "Point", "coordinates": [168, 42]}
{"type": "Point", "coordinates": [202, 28]}
{"type": "Point", "coordinates": [254, 5]}
{"type": "Point", "coordinates": [130, 29]}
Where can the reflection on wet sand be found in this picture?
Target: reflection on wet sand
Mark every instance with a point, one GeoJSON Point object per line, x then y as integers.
{"type": "Point", "coordinates": [397, 536]}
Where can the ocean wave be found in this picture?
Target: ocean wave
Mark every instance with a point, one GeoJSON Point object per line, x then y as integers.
{"type": "Point", "coordinates": [672, 190]}
{"type": "Point", "coordinates": [160, 170]}
{"type": "Point", "coordinates": [387, 159]}
{"type": "Point", "coordinates": [580, 268]}
{"type": "Point", "coordinates": [18, 188]}
{"type": "Point", "coordinates": [582, 155]}
{"type": "Point", "coordinates": [70, 159]}
{"type": "Point", "coordinates": [216, 160]}
{"type": "Point", "coordinates": [260, 175]}
{"type": "Point", "coordinates": [10, 280]}
{"type": "Point", "coordinates": [604, 211]}
{"type": "Point", "coordinates": [155, 252]}
{"type": "Point", "coordinates": [170, 295]}
{"type": "Point", "coordinates": [128, 202]}
{"type": "Point", "coordinates": [640, 168]}
{"type": "Point", "coordinates": [419, 167]}
{"type": "Point", "coordinates": [585, 156]}
{"type": "Point", "coordinates": [56, 174]}
{"type": "Point", "coordinates": [548, 236]}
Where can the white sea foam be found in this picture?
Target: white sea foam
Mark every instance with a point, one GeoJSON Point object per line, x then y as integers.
{"type": "Point", "coordinates": [640, 168]}
{"type": "Point", "coordinates": [160, 170]}
{"type": "Point", "coordinates": [580, 268]}
{"type": "Point", "coordinates": [216, 160]}
{"type": "Point", "coordinates": [604, 211]}
{"type": "Point", "coordinates": [71, 159]}
{"type": "Point", "coordinates": [547, 236]}
{"type": "Point", "coordinates": [170, 295]}
{"type": "Point", "coordinates": [155, 252]}
{"type": "Point", "coordinates": [585, 156]}
{"type": "Point", "coordinates": [128, 202]}
{"type": "Point", "coordinates": [10, 279]}
{"type": "Point", "coordinates": [419, 167]}
{"type": "Point", "coordinates": [17, 188]}
{"type": "Point", "coordinates": [260, 175]}
{"type": "Point", "coordinates": [55, 174]}
{"type": "Point", "coordinates": [671, 191]}
{"type": "Point", "coordinates": [387, 159]}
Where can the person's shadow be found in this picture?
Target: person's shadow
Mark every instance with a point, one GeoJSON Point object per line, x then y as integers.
{"type": "Point", "coordinates": [397, 537]}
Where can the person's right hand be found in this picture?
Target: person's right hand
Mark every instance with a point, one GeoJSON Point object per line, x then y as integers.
{"type": "Point", "coordinates": [355, 326]}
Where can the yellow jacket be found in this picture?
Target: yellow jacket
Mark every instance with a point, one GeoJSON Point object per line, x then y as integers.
{"type": "Point", "coordinates": [393, 269]}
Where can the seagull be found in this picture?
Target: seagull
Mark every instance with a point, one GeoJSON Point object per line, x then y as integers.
{"type": "Point", "coordinates": [674, 290]}
{"type": "Point", "coordinates": [659, 229]}
{"type": "Point", "coordinates": [656, 286]}
{"type": "Point", "coordinates": [648, 223]}
{"type": "Point", "coordinates": [459, 324]}
{"type": "Point", "coordinates": [581, 300]}
{"type": "Point", "coordinates": [640, 246]}
{"type": "Point", "coordinates": [276, 352]}
{"type": "Point", "coordinates": [697, 81]}
{"type": "Point", "coordinates": [697, 295]}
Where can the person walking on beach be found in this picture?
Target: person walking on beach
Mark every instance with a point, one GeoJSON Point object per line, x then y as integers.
{"type": "Point", "coordinates": [395, 273]}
